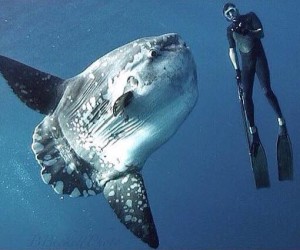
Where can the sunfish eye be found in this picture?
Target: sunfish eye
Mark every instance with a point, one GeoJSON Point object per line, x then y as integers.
{"type": "Point", "coordinates": [132, 80]}
{"type": "Point", "coordinates": [153, 52]}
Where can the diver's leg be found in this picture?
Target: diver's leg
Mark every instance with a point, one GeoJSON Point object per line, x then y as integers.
{"type": "Point", "coordinates": [263, 74]}
{"type": "Point", "coordinates": [248, 72]}
{"type": "Point", "coordinates": [283, 145]}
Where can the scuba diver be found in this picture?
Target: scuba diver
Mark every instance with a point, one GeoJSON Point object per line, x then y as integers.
{"type": "Point", "coordinates": [245, 33]}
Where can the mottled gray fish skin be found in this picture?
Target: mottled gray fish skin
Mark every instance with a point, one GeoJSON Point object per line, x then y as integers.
{"type": "Point", "coordinates": [103, 124]}
{"type": "Point", "coordinates": [163, 86]}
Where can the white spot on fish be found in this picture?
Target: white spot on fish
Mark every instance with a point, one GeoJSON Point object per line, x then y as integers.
{"type": "Point", "coordinates": [91, 76]}
{"type": "Point", "coordinates": [46, 178]}
{"type": "Point", "coordinates": [37, 137]}
{"type": "Point", "coordinates": [128, 217]}
{"type": "Point", "coordinates": [125, 179]}
{"type": "Point", "coordinates": [133, 186]}
{"type": "Point", "coordinates": [91, 192]}
{"type": "Point", "coordinates": [96, 64]}
{"type": "Point", "coordinates": [91, 155]}
{"type": "Point", "coordinates": [93, 102]}
{"type": "Point", "coordinates": [50, 162]}
{"type": "Point", "coordinates": [89, 107]}
{"type": "Point", "coordinates": [70, 168]}
{"type": "Point", "coordinates": [111, 193]}
{"type": "Point", "coordinates": [88, 183]}
{"type": "Point", "coordinates": [129, 203]}
{"type": "Point", "coordinates": [59, 187]}
{"type": "Point", "coordinates": [37, 147]}
{"type": "Point", "coordinates": [47, 157]}
{"type": "Point", "coordinates": [75, 193]}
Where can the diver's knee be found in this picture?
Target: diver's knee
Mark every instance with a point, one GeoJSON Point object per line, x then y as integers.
{"type": "Point", "coordinates": [268, 93]}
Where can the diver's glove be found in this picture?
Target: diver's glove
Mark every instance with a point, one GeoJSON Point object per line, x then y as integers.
{"type": "Point", "coordinates": [240, 28]}
{"type": "Point", "coordinates": [236, 26]}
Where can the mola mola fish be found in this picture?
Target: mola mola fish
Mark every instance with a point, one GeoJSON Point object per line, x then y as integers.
{"type": "Point", "coordinates": [102, 125]}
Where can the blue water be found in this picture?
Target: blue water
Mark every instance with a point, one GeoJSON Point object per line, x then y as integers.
{"type": "Point", "coordinates": [200, 183]}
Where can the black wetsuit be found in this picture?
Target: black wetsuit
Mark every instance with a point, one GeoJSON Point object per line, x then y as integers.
{"type": "Point", "coordinates": [253, 61]}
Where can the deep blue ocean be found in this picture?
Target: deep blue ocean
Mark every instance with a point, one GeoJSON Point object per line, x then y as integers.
{"type": "Point", "coordinates": [200, 183]}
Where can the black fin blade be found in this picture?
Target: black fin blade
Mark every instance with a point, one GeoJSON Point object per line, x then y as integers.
{"type": "Point", "coordinates": [128, 198]}
{"type": "Point", "coordinates": [38, 90]}
{"type": "Point", "coordinates": [260, 167]}
{"type": "Point", "coordinates": [284, 158]}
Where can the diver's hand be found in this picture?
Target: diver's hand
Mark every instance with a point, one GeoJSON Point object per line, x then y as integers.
{"type": "Point", "coordinates": [236, 26]}
{"type": "Point", "coordinates": [240, 27]}
{"type": "Point", "coordinates": [238, 75]}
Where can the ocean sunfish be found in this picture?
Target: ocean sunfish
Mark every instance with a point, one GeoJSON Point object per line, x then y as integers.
{"type": "Point", "coordinates": [102, 125]}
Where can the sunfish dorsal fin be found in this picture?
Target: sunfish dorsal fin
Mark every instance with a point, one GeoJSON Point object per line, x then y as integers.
{"type": "Point", "coordinates": [38, 90]}
{"type": "Point", "coordinates": [128, 198]}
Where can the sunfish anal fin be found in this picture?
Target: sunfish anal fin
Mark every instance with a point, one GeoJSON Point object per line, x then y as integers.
{"type": "Point", "coordinates": [128, 198]}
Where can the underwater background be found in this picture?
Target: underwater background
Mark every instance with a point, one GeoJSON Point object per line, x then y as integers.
{"type": "Point", "coordinates": [200, 184]}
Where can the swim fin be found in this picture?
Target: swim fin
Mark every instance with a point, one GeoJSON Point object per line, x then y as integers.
{"type": "Point", "coordinates": [284, 157]}
{"type": "Point", "coordinates": [257, 153]}
{"type": "Point", "coordinates": [260, 166]}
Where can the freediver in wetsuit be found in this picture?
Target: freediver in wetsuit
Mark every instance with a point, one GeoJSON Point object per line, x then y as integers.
{"type": "Point", "coordinates": [245, 32]}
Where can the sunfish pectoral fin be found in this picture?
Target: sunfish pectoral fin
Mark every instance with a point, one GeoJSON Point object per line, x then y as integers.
{"type": "Point", "coordinates": [123, 101]}
{"type": "Point", "coordinates": [128, 198]}
{"type": "Point", "coordinates": [38, 90]}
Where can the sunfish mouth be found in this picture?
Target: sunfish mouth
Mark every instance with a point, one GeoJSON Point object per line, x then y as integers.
{"type": "Point", "coordinates": [122, 102]}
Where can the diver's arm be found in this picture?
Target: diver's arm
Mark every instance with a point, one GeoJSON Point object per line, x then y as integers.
{"type": "Point", "coordinates": [257, 30]}
{"type": "Point", "coordinates": [258, 33]}
{"type": "Point", "coordinates": [234, 58]}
